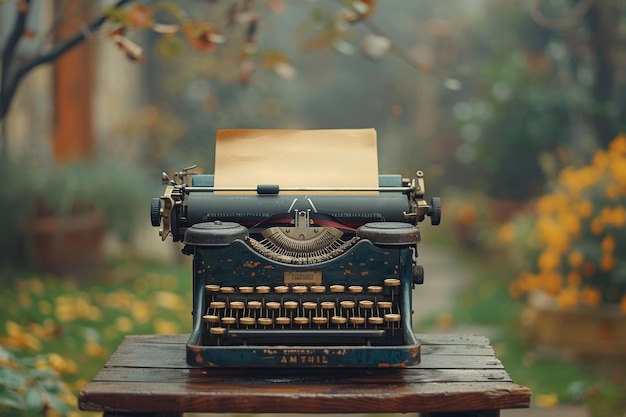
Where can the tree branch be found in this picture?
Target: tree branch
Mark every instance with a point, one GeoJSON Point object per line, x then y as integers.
{"type": "Point", "coordinates": [9, 88]}
{"type": "Point", "coordinates": [9, 49]}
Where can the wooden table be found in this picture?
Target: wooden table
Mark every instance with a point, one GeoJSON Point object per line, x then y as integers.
{"type": "Point", "coordinates": [459, 375]}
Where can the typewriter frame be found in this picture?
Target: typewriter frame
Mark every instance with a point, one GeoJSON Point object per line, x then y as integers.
{"type": "Point", "coordinates": [221, 246]}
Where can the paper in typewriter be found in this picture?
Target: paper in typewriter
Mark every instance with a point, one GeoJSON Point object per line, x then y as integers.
{"type": "Point", "coordinates": [333, 158]}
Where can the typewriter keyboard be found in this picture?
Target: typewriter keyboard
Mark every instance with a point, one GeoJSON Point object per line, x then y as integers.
{"type": "Point", "coordinates": [303, 314]}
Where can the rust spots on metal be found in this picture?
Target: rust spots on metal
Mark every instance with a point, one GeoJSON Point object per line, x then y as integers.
{"type": "Point", "coordinates": [251, 264]}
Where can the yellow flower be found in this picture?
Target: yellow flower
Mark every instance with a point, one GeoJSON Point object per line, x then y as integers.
{"type": "Point", "coordinates": [585, 209]}
{"type": "Point", "coordinates": [17, 338]}
{"type": "Point", "coordinates": [618, 145]}
{"type": "Point", "coordinates": [552, 234]}
{"type": "Point", "coordinates": [573, 279]}
{"type": "Point", "coordinates": [549, 260]}
{"type": "Point", "coordinates": [590, 296]}
{"type": "Point", "coordinates": [612, 191]}
{"type": "Point", "coordinates": [466, 216]}
{"type": "Point", "coordinates": [141, 312]}
{"type": "Point", "coordinates": [608, 243]}
{"type": "Point", "coordinates": [165, 326]}
{"type": "Point", "coordinates": [600, 159]}
{"type": "Point", "coordinates": [124, 324]}
{"type": "Point", "coordinates": [570, 222]}
{"type": "Point", "coordinates": [575, 259]}
{"type": "Point", "coordinates": [547, 400]}
{"type": "Point", "coordinates": [506, 234]}
{"type": "Point", "coordinates": [607, 262]}
{"type": "Point", "coordinates": [95, 350]}
{"type": "Point", "coordinates": [567, 298]}
{"type": "Point", "coordinates": [596, 227]}
{"type": "Point", "coordinates": [551, 282]}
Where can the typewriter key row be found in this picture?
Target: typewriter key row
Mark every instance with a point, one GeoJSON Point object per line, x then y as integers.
{"type": "Point", "coordinates": [301, 289]}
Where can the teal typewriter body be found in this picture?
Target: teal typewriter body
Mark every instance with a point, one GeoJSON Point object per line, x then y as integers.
{"type": "Point", "coordinates": [298, 279]}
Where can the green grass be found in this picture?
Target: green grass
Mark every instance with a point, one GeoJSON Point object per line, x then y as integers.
{"type": "Point", "coordinates": [83, 322]}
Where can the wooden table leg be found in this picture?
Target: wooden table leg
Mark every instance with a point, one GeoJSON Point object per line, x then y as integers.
{"type": "Point", "coordinates": [122, 414]}
{"type": "Point", "coordinates": [478, 413]}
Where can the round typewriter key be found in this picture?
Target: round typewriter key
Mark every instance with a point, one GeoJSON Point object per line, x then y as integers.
{"type": "Point", "coordinates": [236, 305]}
{"type": "Point", "coordinates": [246, 290]}
{"type": "Point", "coordinates": [217, 304]}
{"type": "Point", "coordinates": [272, 305]}
{"type": "Point", "coordinates": [375, 320]}
{"type": "Point", "coordinates": [347, 304]}
{"type": "Point", "coordinates": [212, 288]}
{"type": "Point", "coordinates": [328, 305]}
{"type": "Point", "coordinates": [392, 317]}
{"type": "Point", "coordinates": [254, 305]}
{"type": "Point", "coordinates": [247, 321]}
{"type": "Point", "coordinates": [338, 320]}
{"type": "Point", "coordinates": [299, 289]}
{"type": "Point", "coordinates": [355, 289]}
{"type": "Point", "coordinates": [281, 289]}
{"type": "Point", "coordinates": [384, 304]}
{"type": "Point", "coordinates": [282, 320]}
{"type": "Point", "coordinates": [392, 282]}
{"type": "Point", "coordinates": [301, 320]}
{"type": "Point", "coordinates": [337, 288]}
{"type": "Point", "coordinates": [263, 289]}
{"type": "Point", "coordinates": [366, 304]}
{"type": "Point", "coordinates": [209, 318]}
{"type": "Point", "coordinates": [291, 305]}
{"type": "Point", "coordinates": [357, 320]}
{"type": "Point", "coordinates": [265, 321]}
{"type": "Point", "coordinates": [375, 289]}
{"type": "Point", "coordinates": [320, 320]}
{"type": "Point", "coordinates": [227, 290]}
{"type": "Point", "coordinates": [218, 331]}
{"type": "Point", "coordinates": [229, 320]}
{"type": "Point", "coordinates": [309, 305]}
{"type": "Point", "coordinates": [318, 288]}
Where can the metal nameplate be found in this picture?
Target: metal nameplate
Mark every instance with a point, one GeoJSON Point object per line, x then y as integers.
{"type": "Point", "coordinates": [303, 277]}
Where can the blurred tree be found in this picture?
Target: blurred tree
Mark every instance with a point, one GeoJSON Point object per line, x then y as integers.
{"type": "Point", "coordinates": [548, 76]}
{"type": "Point", "coordinates": [235, 23]}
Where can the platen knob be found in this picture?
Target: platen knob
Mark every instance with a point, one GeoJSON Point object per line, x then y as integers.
{"type": "Point", "coordinates": [434, 211]}
{"type": "Point", "coordinates": [155, 212]}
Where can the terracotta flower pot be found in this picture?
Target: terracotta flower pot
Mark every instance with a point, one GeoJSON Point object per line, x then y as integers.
{"type": "Point", "coordinates": [67, 245]}
{"type": "Point", "coordinates": [597, 333]}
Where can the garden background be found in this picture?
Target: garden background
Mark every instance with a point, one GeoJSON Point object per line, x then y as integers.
{"type": "Point", "coordinates": [514, 111]}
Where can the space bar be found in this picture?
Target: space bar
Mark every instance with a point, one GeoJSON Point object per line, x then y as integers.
{"type": "Point", "coordinates": [304, 333]}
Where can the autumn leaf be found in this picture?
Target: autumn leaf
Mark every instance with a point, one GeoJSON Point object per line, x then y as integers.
{"type": "Point", "coordinates": [203, 36]}
{"type": "Point", "coordinates": [375, 47]}
{"type": "Point", "coordinates": [359, 10]}
{"type": "Point", "coordinates": [140, 16]}
{"type": "Point", "coordinates": [165, 29]}
{"type": "Point", "coordinates": [133, 51]}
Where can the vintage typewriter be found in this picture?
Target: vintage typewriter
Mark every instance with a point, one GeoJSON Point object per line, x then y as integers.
{"type": "Point", "coordinates": [299, 276]}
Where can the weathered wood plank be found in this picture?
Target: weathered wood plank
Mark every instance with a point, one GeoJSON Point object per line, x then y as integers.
{"type": "Point", "coordinates": [149, 374]}
{"type": "Point", "coordinates": [291, 398]}
{"type": "Point", "coordinates": [280, 376]}
{"type": "Point", "coordinates": [135, 353]}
